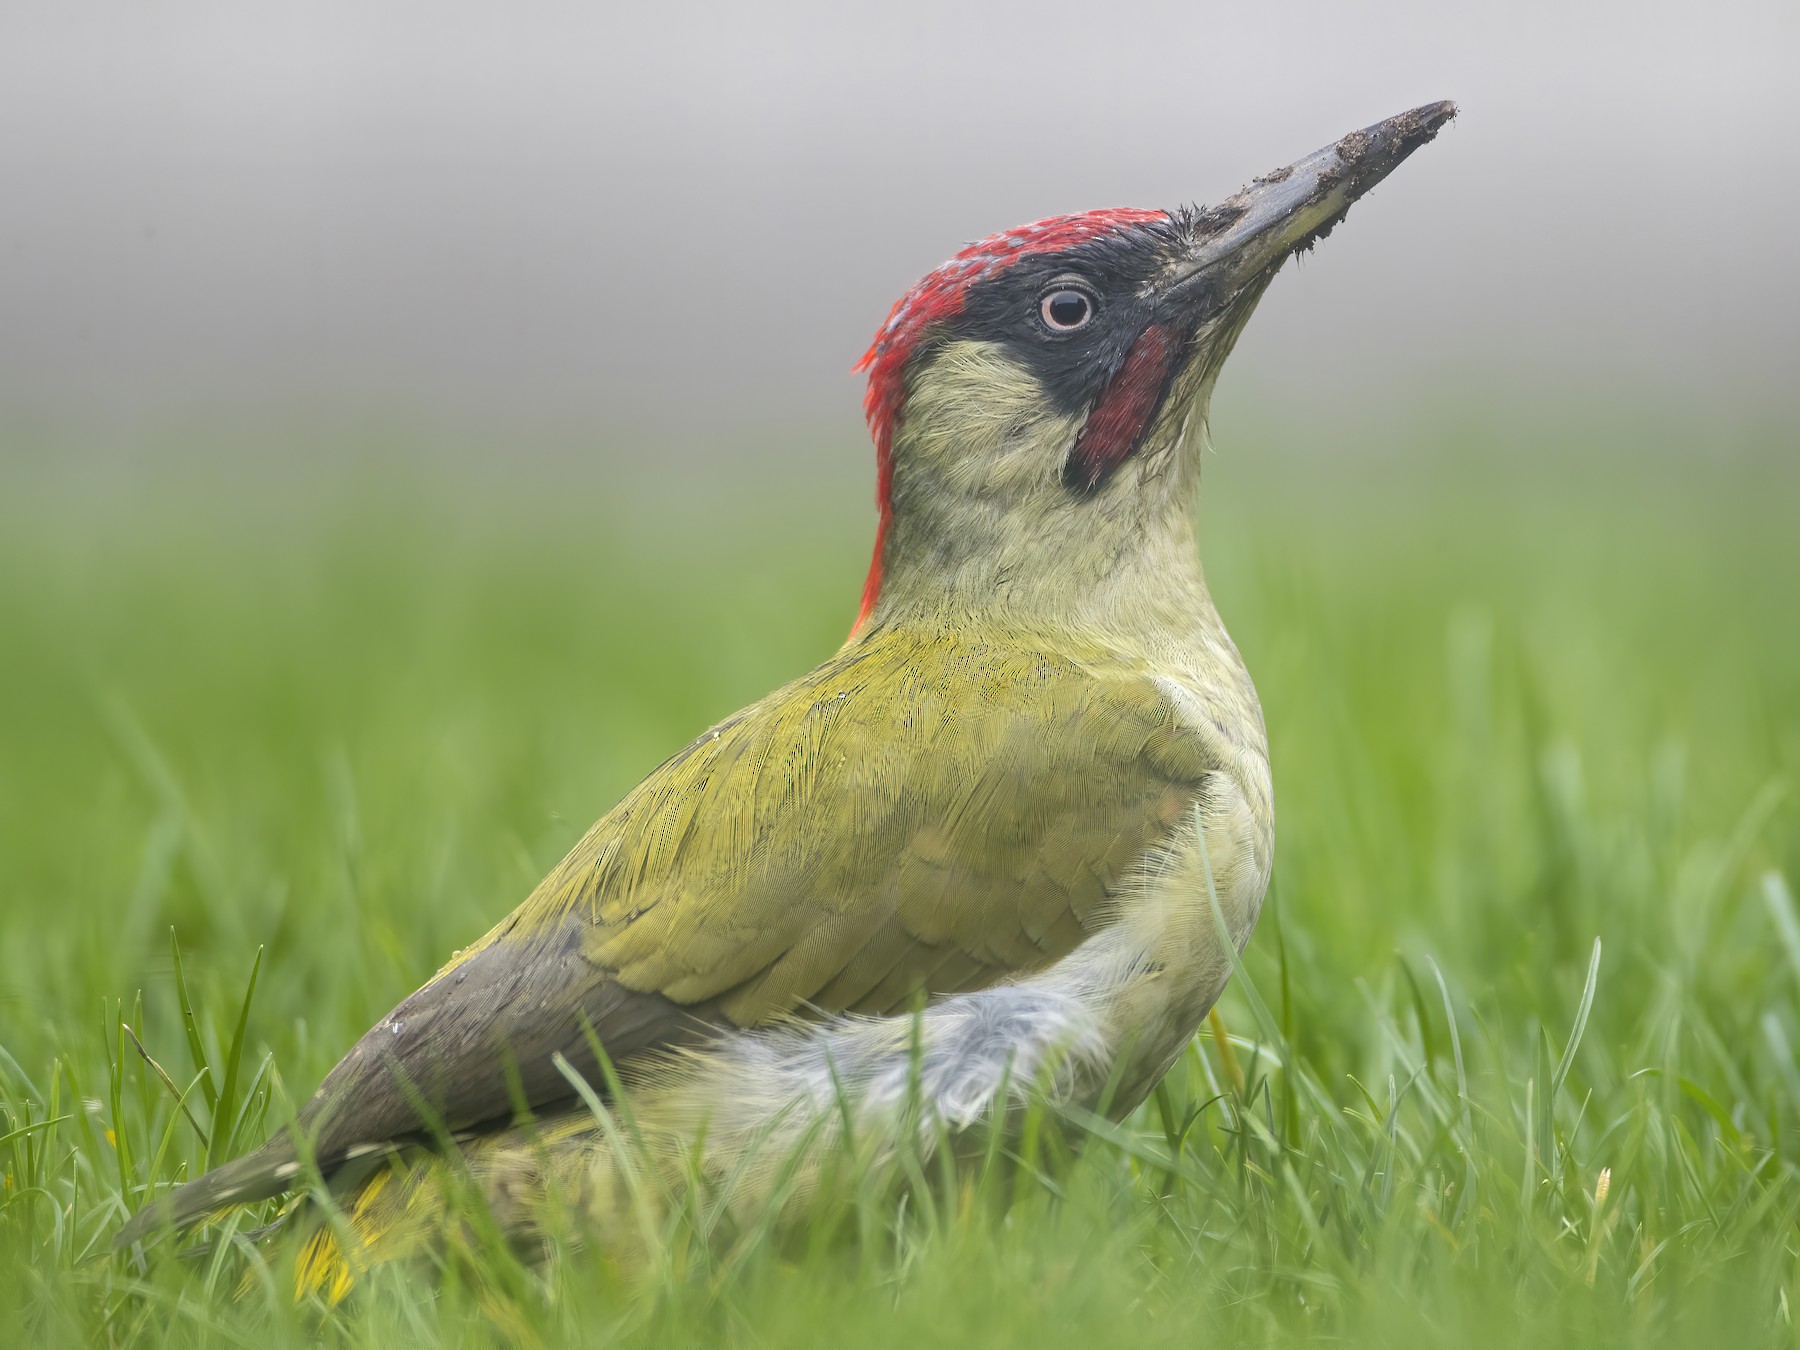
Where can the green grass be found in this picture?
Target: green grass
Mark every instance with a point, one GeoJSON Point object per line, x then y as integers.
{"type": "Point", "coordinates": [1536, 729]}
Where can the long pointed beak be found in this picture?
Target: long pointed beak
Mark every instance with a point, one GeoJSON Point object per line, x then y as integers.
{"type": "Point", "coordinates": [1247, 236]}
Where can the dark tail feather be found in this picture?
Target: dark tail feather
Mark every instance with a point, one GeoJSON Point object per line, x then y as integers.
{"type": "Point", "coordinates": [256, 1176]}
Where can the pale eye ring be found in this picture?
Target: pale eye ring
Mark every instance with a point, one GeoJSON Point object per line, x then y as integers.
{"type": "Point", "coordinates": [1066, 309]}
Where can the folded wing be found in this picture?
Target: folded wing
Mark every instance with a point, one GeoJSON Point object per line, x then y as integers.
{"type": "Point", "coordinates": [915, 815]}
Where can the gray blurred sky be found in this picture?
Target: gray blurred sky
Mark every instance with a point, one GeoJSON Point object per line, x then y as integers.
{"type": "Point", "coordinates": [688, 212]}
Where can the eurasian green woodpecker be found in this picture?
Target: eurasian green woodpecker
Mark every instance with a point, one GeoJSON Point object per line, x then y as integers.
{"type": "Point", "coordinates": [1029, 797]}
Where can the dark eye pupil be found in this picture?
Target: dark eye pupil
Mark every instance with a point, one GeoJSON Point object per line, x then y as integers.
{"type": "Point", "coordinates": [1066, 309]}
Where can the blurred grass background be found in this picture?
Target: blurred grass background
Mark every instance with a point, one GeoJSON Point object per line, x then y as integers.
{"type": "Point", "coordinates": [1532, 681]}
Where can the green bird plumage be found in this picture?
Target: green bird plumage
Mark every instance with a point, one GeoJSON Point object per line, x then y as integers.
{"type": "Point", "coordinates": [1026, 791]}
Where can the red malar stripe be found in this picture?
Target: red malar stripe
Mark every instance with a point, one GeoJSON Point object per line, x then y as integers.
{"type": "Point", "coordinates": [1122, 414]}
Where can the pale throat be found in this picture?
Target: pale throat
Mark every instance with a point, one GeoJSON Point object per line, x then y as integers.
{"type": "Point", "coordinates": [983, 529]}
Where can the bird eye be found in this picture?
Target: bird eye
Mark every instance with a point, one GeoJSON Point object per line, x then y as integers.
{"type": "Point", "coordinates": [1065, 309]}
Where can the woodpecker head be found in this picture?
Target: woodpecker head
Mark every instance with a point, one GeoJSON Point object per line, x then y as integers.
{"type": "Point", "coordinates": [1038, 402]}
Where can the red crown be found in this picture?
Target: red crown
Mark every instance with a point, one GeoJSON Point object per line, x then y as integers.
{"type": "Point", "coordinates": [942, 292]}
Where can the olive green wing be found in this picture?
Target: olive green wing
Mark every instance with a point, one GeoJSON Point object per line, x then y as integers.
{"type": "Point", "coordinates": [915, 815]}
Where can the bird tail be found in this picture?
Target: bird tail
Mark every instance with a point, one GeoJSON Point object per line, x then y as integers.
{"type": "Point", "coordinates": [501, 1187]}
{"type": "Point", "coordinates": [267, 1172]}
{"type": "Point", "coordinates": [760, 1116]}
